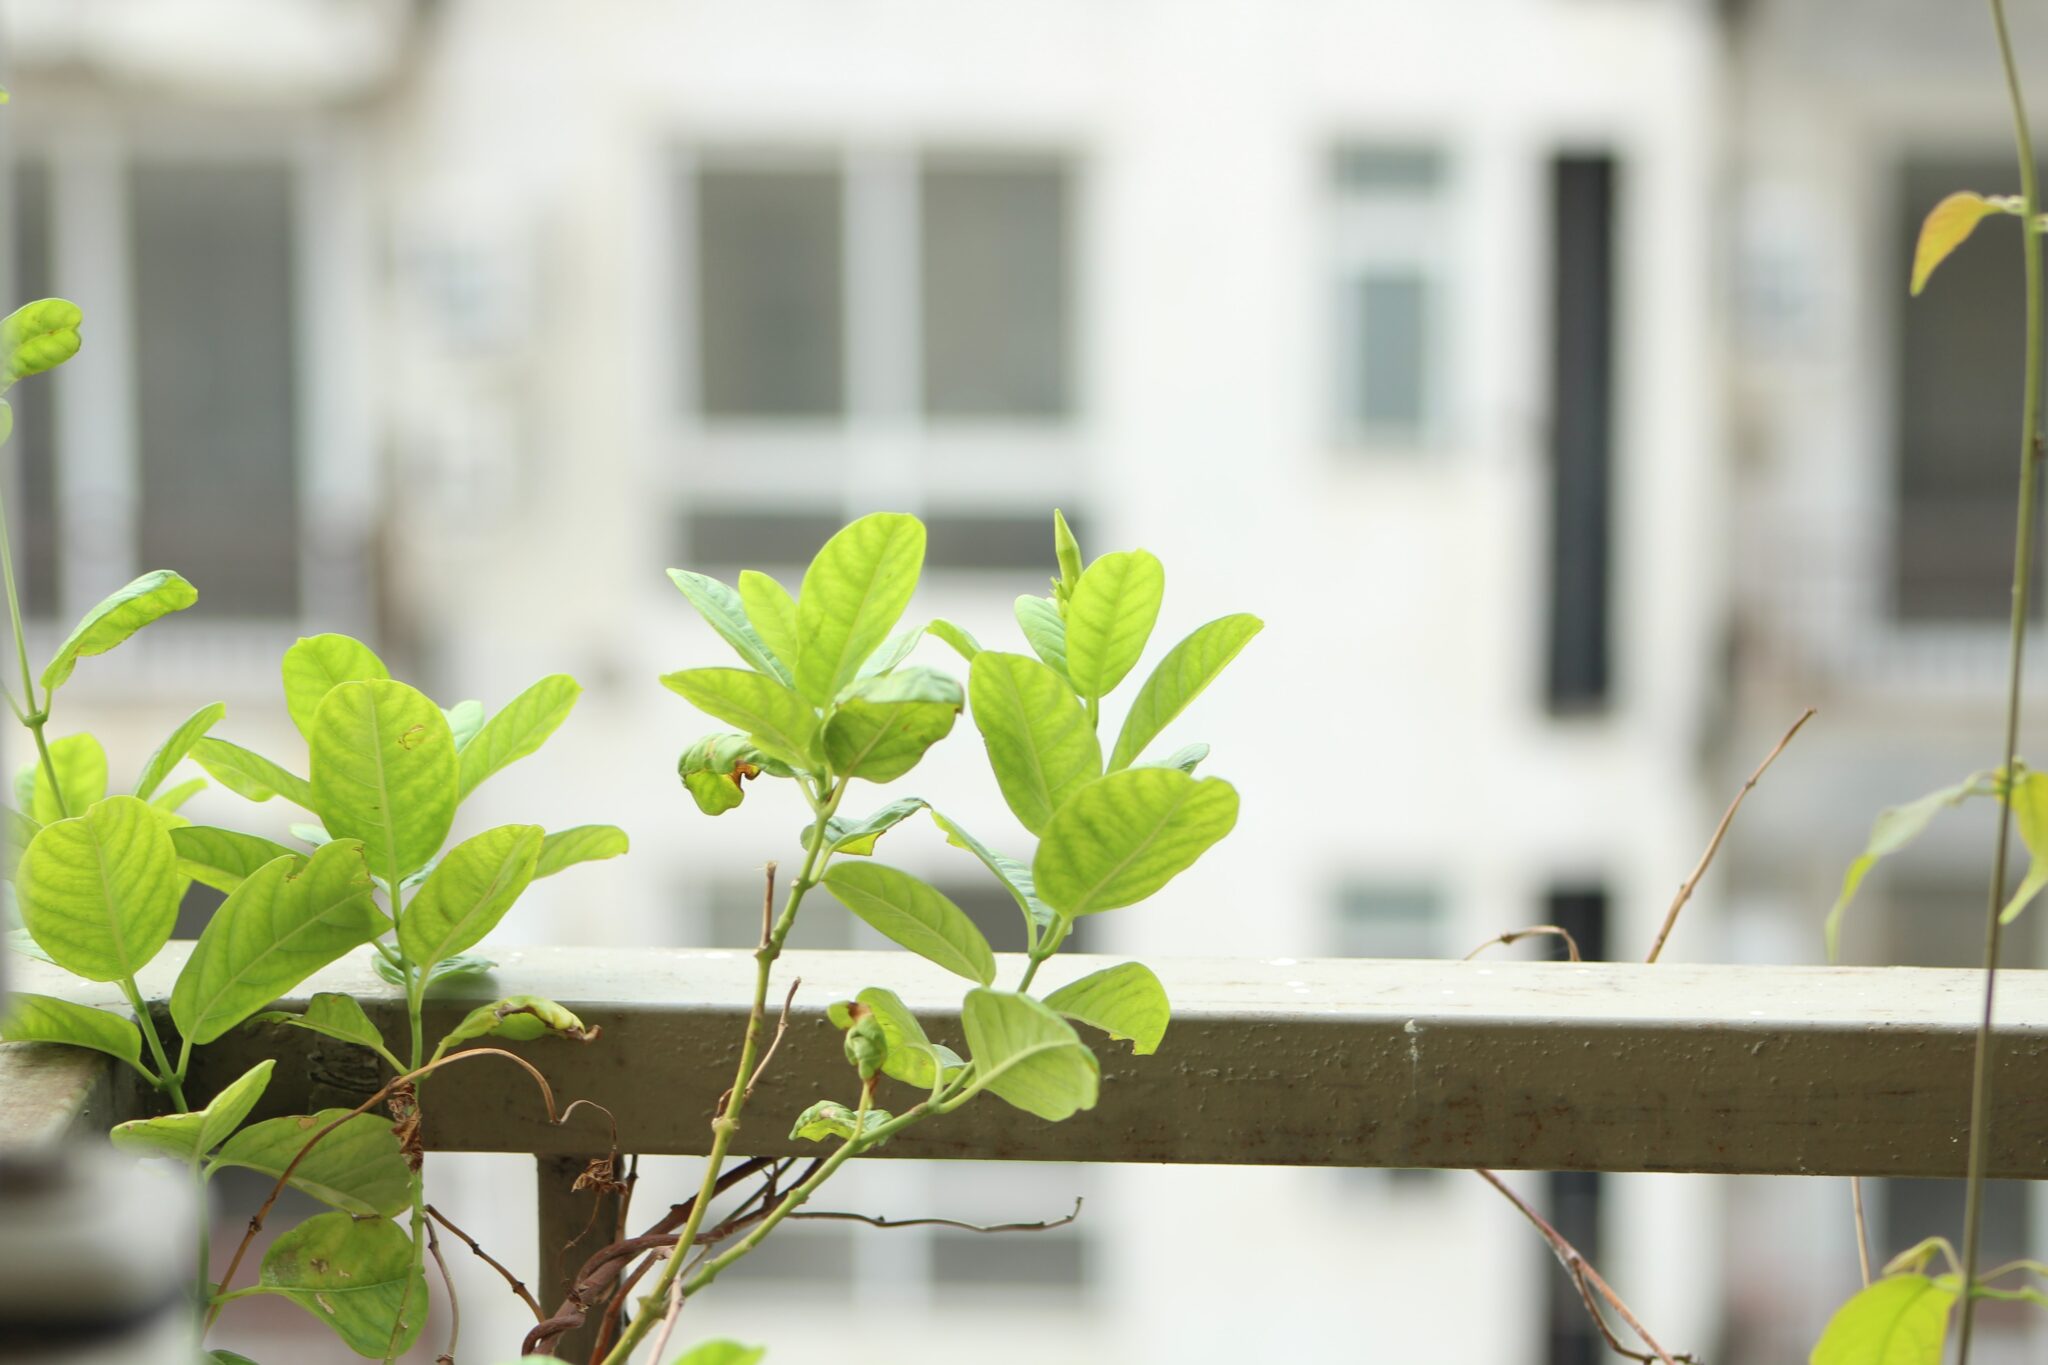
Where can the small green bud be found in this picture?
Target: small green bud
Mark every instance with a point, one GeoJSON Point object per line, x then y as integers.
{"type": "Point", "coordinates": [867, 1047]}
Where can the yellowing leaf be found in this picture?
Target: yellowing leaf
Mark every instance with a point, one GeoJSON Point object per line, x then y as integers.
{"type": "Point", "coordinates": [1948, 225]}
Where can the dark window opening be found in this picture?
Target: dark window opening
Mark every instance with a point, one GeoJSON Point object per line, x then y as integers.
{"type": "Point", "coordinates": [1574, 1197]}
{"type": "Point", "coordinates": [770, 283]}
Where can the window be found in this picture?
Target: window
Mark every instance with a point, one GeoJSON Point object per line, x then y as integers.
{"type": "Point", "coordinates": [875, 327]}
{"type": "Point", "coordinates": [1388, 920]}
{"type": "Point", "coordinates": [1576, 1199]}
{"type": "Point", "coordinates": [1390, 224]}
{"type": "Point", "coordinates": [1958, 390]}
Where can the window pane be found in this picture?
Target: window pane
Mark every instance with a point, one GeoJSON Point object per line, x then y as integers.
{"type": "Point", "coordinates": [1959, 380]}
{"type": "Point", "coordinates": [1393, 340]}
{"type": "Point", "coordinates": [770, 276]}
{"type": "Point", "coordinates": [215, 381]}
{"type": "Point", "coordinates": [35, 433]}
{"type": "Point", "coordinates": [996, 292]}
{"type": "Point", "coordinates": [1388, 921]}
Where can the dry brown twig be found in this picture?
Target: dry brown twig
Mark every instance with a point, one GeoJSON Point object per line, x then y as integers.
{"type": "Point", "coordinates": [1571, 945]}
{"type": "Point", "coordinates": [446, 1357]}
{"type": "Point", "coordinates": [518, 1285]}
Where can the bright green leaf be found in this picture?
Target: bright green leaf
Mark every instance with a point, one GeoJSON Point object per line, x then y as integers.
{"type": "Point", "coordinates": [34, 1018]}
{"type": "Point", "coordinates": [858, 836]}
{"type": "Point", "coordinates": [518, 730]}
{"type": "Point", "coordinates": [81, 769]}
{"type": "Point", "coordinates": [100, 891]}
{"type": "Point", "coordinates": [775, 718]}
{"type": "Point", "coordinates": [469, 892]}
{"type": "Point", "coordinates": [1123, 838]}
{"type": "Point", "coordinates": [964, 644]}
{"type": "Point", "coordinates": [173, 750]}
{"type": "Point", "coordinates": [250, 775]}
{"type": "Point", "coordinates": [355, 1275]}
{"type": "Point", "coordinates": [333, 1015]}
{"type": "Point", "coordinates": [1896, 827]}
{"type": "Point", "coordinates": [358, 1168]}
{"type": "Point", "coordinates": [1125, 1001]}
{"type": "Point", "coordinates": [1947, 226]}
{"type": "Point", "coordinates": [1110, 617]}
{"type": "Point", "coordinates": [1014, 875]}
{"type": "Point", "coordinates": [460, 967]}
{"type": "Point", "coordinates": [831, 1119]}
{"type": "Point", "coordinates": [912, 1057]}
{"type": "Point", "coordinates": [1187, 758]}
{"type": "Point", "coordinates": [1045, 630]}
{"type": "Point", "coordinates": [316, 665]}
{"type": "Point", "coordinates": [36, 337]}
{"type": "Point", "coordinates": [170, 801]}
{"type": "Point", "coordinates": [853, 593]}
{"type": "Point", "coordinates": [2029, 800]}
{"type": "Point", "coordinates": [772, 613]}
{"type": "Point", "coordinates": [1028, 1055]}
{"type": "Point", "coordinates": [881, 731]}
{"type": "Point", "coordinates": [1066, 550]}
{"type": "Point", "coordinates": [721, 1353]}
{"type": "Point", "coordinates": [725, 612]}
{"type": "Point", "coordinates": [233, 1358]}
{"type": "Point", "coordinates": [222, 858]}
{"type": "Point", "coordinates": [190, 1136]}
{"type": "Point", "coordinates": [1899, 1320]}
{"type": "Point", "coordinates": [287, 920]}
{"type": "Point", "coordinates": [518, 1019]}
{"type": "Point", "coordinates": [154, 595]}
{"type": "Point", "coordinates": [1179, 678]}
{"type": "Point", "coordinates": [16, 830]}
{"type": "Point", "coordinates": [1039, 741]}
{"type": "Point", "coordinates": [384, 772]}
{"type": "Point", "coordinates": [915, 914]}
{"type": "Point", "coordinates": [565, 848]}
{"type": "Point", "coordinates": [465, 719]}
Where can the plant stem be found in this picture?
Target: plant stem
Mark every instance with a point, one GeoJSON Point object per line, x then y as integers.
{"type": "Point", "coordinates": [728, 1122]}
{"type": "Point", "coordinates": [172, 1081]}
{"type": "Point", "coordinates": [415, 1003]}
{"type": "Point", "coordinates": [2022, 574]}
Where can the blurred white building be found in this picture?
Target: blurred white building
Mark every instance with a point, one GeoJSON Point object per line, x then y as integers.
{"type": "Point", "coordinates": [1415, 329]}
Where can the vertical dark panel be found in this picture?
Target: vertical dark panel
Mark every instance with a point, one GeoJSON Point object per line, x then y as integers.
{"type": "Point", "coordinates": [34, 446]}
{"type": "Point", "coordinates": [1574, 1197]}
{"type": "Point", "coordinates": [771, 292]}
{"type": "Point", "coordinates": [1580, 635]}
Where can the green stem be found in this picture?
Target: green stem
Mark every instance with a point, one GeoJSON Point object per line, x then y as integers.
{"type": "Point", "coordinates": [205, 1241]}
{"type": "Point", "coordinates": [36, 721]}
{"type": "Point", "coordinates": [2022, 575]}
{"type": "Point", "coordinates": [415, 1006]}
{"type": "Point", "coordinates": [173, 1081]}
{"type": "Point", "coordinates": [28, 685]}
{"type": "Point", "coordinates": [728, 1122]}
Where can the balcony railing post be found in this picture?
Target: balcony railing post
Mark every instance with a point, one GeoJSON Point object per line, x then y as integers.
{"type": "Point", "coordinates": [573, 1223]}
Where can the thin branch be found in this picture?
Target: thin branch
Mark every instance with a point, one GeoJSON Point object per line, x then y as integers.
{"type": "Point", "coordinates": [781, 1027]}
{"type": "Point", "coordinates": [1588, 1281]}
{"type": "Point", "coordinates": [669, 1315]}
{"type": "Point", "coordinates": [768, 908]}
{"type": "Point", "coordinates": [1862, 1229]}
{"type": "Point", "coordinates": [446, 1357]}
{"type": "Point", "coordinates": [1045, 1225]}
{"type": "Point", "coordinates": [1685, 890]}
{"type": "Point", "coordinates": [1571, 945]}
{"type": "Point", "coordinates": [518, 1286]}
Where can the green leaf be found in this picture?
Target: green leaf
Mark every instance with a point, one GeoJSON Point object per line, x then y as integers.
{"type": "Point", "coordinates": [100, 891]}
{"type": "Point", "coordinates": [1179, 678]}
{"type": "Point", "coordinates": [465, 719]}
{"type": "Point", "coordinates": [1066, 550]}
{"type": "Point", "coordinates": [1109, 618]}
{"type": "Point", "coordinates": [721, 1353]}
{"type": "Point", "coordinates": [854, 592]}
{"type": "Point", "coordinates": [250, 775]}
{"type": "Point", "coordinates": [1014, 875]}
{"type": "Point", "coordinates": [469, 892]}
{"type": "Point", "coordinates": [912, 1057]}
{"type": "Point", "coordinates": [355, 1275]}
{"type": "Point", "coordinates": [235, 1358]}
{"type": "Point", "coordinates": [714, 768]}
{"type": "Point", "coordinates": [518, 730]}
{"type": "Point", "coordinates": [578, 844]}
{"type": "Point", "coordinates": [775, 718]}
{"type": "Point", "coordinates": [358, 1168]}
{"type": "Point", "coordinates": [726, 612]}
{"type": "Point", "coordinates": [1028, 1055]}
{"type": "Point", "coordinates": [1039, 741]}
{"type": "Point", "coordinates": [173, 750]}
{"type": "Point", "coordinates": [518, 1019]}
{"type": "Point", "coordinates": [32, 1018]}
{"type": "Point", "coordinates": [457, 968]}
{"type": "Point", "coordinates": [154, 595]}
{"type": "Point", "coordinates": [1187, 758]}
{"type": "Point", "coordinates": [964, 644]}
{"type": "Point", "coordinates": [82, 769]}
{"type": "Point", "coordinates": [858, 836]}
{"type": "Point", "coordinates": [893, 652]}
{"type": "Point", "coordinates": [772, 612]}
{"type": "Point", "coordinates": [915, 914]}
{"type": "Point", "coordinates": [831, 1119]}
{"type": "Point", "coordinates": [37, 336]}
{"type": "Point", "coordinates": [290, 918]}
{"type": "Point", "coordinates": [2029, 798]}
{"type": "Point", "coordinates": [310, 833]}
{"type": "Point", "coordinates": [334, 1015]}
{"type": "Point", "coordinates": [169, 802]}
{"type": "Point", "coordinates": [318, 664]}
{"type": "Point", "coordinates": [1899, 1320]}
{"type": "Point", "coordinates": [881, 731]}
{"type": "Point", "coordinates": [1126, 836]}
{"type": "Point", "coordinates": [384, 772]}
{"type": "Point", "coordinates": [1896, 827]}
{"type": "Point", "coordinates": [1125, 1001]}
{"type": "Point", "coordinates": [190, 1136]}
{"type": "Point", "coordinates": [1947, 226]}
{"type": "Point", "coordinates": [222, 858]}
{"type": "Point", "coordinates": [1045, 630]}
{"type": "Point", "coordinates": [16, 830]}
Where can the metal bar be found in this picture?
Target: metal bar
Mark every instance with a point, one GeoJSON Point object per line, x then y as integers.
{"type": "Point", "coordinates": [573, 1224]}
{"type": "Point", "coordinates": [1537, 1066]}
{"type": "Point", "coordinates": [48, 1093]}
